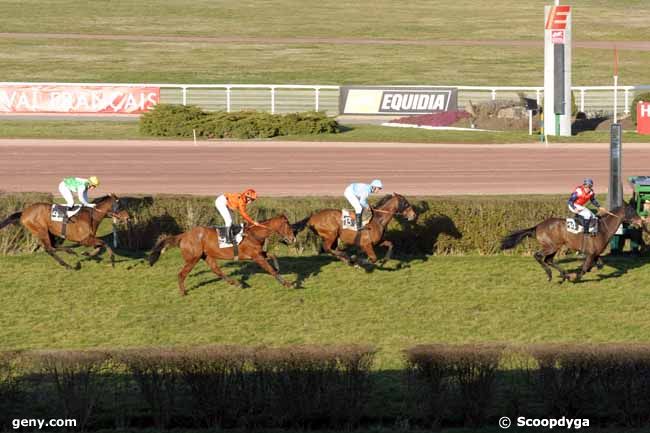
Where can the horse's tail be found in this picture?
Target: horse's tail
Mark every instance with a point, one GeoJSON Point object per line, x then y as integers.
{"type": "Point", "coordinates": [299, 226]}
{"type": "Point", "coordinates": [167, 241]}
{"type": "Point", "coordinates": [514, 238]}
{"type": "Point", "coordinates": [12, 219]}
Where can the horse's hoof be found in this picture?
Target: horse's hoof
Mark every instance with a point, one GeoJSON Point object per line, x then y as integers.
{"type": "Point", "coordinates": [77, 266]}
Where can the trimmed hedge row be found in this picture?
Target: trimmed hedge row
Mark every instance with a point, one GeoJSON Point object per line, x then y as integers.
{"type": "Point", "coordinates": [315, 387]}
{"type": "Point", "coordinates": [167, 120]}
{"type": "Point", "coordinates": [445, 225]}
{"type": "Point", "coordinates": [608, 384]}
{"type": "Point", "coordinates": [206, 387]}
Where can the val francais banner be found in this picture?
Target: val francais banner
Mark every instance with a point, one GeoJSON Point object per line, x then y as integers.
{"type": "Point", "coordinates": [77, 99]}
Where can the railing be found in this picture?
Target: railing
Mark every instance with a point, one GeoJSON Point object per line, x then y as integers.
{"type": "Point", "coordinates": [287, 98]}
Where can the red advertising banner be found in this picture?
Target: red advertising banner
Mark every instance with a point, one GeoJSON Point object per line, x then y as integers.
{"type": "Point", "coordinates": [77, 99]}
{"type": "Point", "coordinates": [643, 117]}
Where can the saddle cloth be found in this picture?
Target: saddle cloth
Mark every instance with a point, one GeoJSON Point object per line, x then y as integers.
{"type": "Point", "coordinates": [349, 220]}
{"type": "Point", "coordinates": [58, 211]}
{"type": "Point", "coordinates": [221, 232]}
{"type": "Point", "coordinates": [572, 226]}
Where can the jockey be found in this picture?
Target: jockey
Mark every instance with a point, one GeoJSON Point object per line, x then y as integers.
{"type": "Point", "coordinates": [79, 185]}
{"type": "Point", "coordinates": [357, 194]}
{"type": "Point", "coordinates": [584, 193]}
{"type": "Point", "coordinates": [235, 201]}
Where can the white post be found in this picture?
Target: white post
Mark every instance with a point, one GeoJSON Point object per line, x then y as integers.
{"type": "Point", "coordinates": [626, 109]}
{"type": "Point", "coordinates": [272, 100]}
{"type": "Point", "coordinates": [494, 94]}
{"type": "Point", "coordinates": [582, 100]}
{"type": "Point", "coordinates": [184, 95]}
{"type": "Point", "coordinates": [537, 96]}
{"type": "Point", "coordinates": [615, 98]}
{"type": "Point", "coordinates": [317, 96]}
{"type": "Point", "coordinates": [228, 99]}
{"type": "Point", "coordinates": [530, 122]}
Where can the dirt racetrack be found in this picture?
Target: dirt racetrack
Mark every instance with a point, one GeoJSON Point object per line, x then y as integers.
{"type": "Point", "coordinates": [278, 168]}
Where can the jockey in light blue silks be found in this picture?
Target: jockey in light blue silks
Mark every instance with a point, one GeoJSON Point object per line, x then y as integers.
{"type": "Point", "coordinates": [357, 194]}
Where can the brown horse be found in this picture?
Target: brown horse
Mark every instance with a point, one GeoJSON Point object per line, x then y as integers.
{"type": "Point", "coordinates": [327, 224]}
{"type": "Point", "coordinates": [80, 229]}
{"type": "Point", "coordinates": [553, 235]}
{"type": "Point", "coordinates": [203, 243]}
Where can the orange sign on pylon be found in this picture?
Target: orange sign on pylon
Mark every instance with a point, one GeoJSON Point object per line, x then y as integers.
{"type": "Point", "coordinates": [557, 19]}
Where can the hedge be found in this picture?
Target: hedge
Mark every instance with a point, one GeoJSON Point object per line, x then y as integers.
{"type": "Point", "coordinates": [445, 225]}
{"type": "Point", "coordinates": [167, 120]}
{"type": "Point", "coordinates": [199, 387]}
{"type": "Point", "coordinates": [313, 387]}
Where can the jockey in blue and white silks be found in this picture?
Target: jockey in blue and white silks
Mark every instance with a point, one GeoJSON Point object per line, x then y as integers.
{"type": "Point", "coordinates": [357, 194]}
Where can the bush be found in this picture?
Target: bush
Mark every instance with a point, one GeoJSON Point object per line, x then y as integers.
{"type": "Point", "coordinates": [461, 377]}
{"type": "Point", "coordinates": [645, 97]}
{"type": "Point", "coordinates": [167, 120]}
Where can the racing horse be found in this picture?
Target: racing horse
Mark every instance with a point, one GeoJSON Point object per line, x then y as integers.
{"type": "Point", "coordinates": [327, 224]}
{"type": "Point", "coordinates": [203, 243]}
{"type": "Point", "coordinates": [553, 235]}
{"type": "Point", "coordinates": [80, 228]}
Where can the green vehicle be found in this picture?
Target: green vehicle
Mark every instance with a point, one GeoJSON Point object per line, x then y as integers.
{"type": "Point", "coordinates": [641, 187]}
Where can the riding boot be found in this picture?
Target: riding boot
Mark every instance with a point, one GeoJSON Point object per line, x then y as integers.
{"type": "Point", "coordinates": [359, 221]}
{"type": "Point", "coordinates": [233, 241]}
{"type": "Point", "coordinates": [594, 223]}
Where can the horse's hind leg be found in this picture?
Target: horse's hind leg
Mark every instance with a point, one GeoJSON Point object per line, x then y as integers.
{"type": "Point", "coordinates": [540, 257]}
{"type": "Point", "coordinates": [549, 261]}
{"type": "Point", "coordinates": [328, 242]}
{"type": "Point", "coordinates": [212, 263]}
{"type": "Point", "coordinates": [182, 275]}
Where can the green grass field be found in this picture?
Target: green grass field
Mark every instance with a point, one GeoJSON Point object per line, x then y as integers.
{"type": "Point", "coordinates": [442, 299]}
{"type": "Point", "coordinates": [46, 59]}
{"type": "Point", "coordinates": [125, 130]}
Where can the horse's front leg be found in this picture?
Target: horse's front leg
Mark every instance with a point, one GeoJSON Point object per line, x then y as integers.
{"type": "Point", "coordinates": [99, 244]}
{"type": "Point", "coordinates": [389, 253]}
{"type": "Point", "coordinates": [264, 264]}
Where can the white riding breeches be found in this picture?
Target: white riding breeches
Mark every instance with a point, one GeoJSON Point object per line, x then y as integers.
{"type": "Point", "coordinates": [582, 211]}
{"type": "Point", "coordinates": [66, 194]}
{"type": "Point", "coordinates": [222, 206]}
{"type": "Point", "coordinates": [353, 199]}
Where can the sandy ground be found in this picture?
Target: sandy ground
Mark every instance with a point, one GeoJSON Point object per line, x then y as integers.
{"type": "Point", "coordinates": [306, 168]}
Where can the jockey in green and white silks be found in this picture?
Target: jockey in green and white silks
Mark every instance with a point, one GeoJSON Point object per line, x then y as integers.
{"type": "Point", "coordinates": [70, 185]}
{"type": "Point", "coordinates": [357, 194]}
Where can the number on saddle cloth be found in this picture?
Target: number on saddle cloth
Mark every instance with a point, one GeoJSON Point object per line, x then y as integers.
{"type": "Point", "coordinates": [575, 225]}
{"type": "Point", "coordinates": [349, 220]}
{"type": "Point", "coordinates": [58, 211]}
{"type": "Point", "coordinates": [238, 231]}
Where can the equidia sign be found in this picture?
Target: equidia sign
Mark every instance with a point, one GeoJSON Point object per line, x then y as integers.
{"type": "Point", "coordinates": [397, 100]}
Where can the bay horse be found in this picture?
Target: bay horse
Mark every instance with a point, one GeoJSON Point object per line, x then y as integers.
{"type": "Point", "coordinates": [327, 225]}
{"type": "Point", "coordinates": [81, 228]}
{"type": "Point", "coordinates": [553, 235]}
{"type": "Point", "coordinates": [203, 243]}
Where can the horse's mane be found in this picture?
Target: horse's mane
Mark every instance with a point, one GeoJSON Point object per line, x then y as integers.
{"type": "Point", "coordinates": [101, 199]}
{"type": "Point", "coordinates": [384, 200]}
{"type": "Point", "coordinates": [401, 204]}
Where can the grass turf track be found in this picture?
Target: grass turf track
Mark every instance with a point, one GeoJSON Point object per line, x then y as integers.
{"type": "Point", "coordinates": [442, 299]}
{"type": "Point", "coordinates": [256, 61]}
{"type": "Point", "coordinates": [125, 130]}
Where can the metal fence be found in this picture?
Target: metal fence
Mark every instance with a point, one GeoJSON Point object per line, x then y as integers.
{"type": "Point", "coordinates": [289, 98]}
{"type": "Point", "coordinates": [292, 98]}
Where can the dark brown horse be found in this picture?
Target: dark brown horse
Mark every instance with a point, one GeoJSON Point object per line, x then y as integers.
{"type": "Point", "coordinates": [327, 224]}
{"type": "Point", "coordinates": [80, 229]}
{"type": "Point", "coordinates": [553, 235]}
{"type": "Point", "coordinates": [203, 243]}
